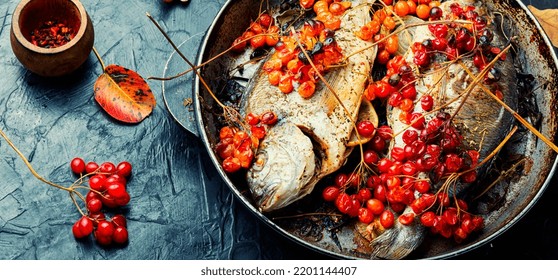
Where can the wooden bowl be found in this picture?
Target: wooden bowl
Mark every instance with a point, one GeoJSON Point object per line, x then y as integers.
{"type": "Point", "coordinates": [30, 15]}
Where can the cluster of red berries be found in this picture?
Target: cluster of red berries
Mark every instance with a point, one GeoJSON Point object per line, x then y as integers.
{"type": "Point", "coordinates": [376, 30]}
{"type": "Point", "coordinates": [106, 232]}
{"type": "Point", "coordinates": [354, 201]}
{"type": "Point", "coordinates": [327, 11]}
{"type": "Point", "coordinates": [383, 23]}
{"type": "Point", "coordinates": [484, 52]}
{"type": "Point", "coordinates": [398, 87]}
{"type": "Point", "coordinates": [236, 146]}
{"type": "Point", "coordinates": [452, 40]}
{"type": "Point", "coordinates": [289, 65]}
{"type": "Point", "coordinates": [435, 147]}
{"type": "Point", "coordinates": [451, 221]}
{"type": "Point", "coordinates": [404, 177]}
{"type": "Point", "coordinates": [262, 32]}
{"type": "Point", "coordinates": [371, 202]}
{"type": "Point", "coordinates": [367, 202]}
{"type": "Point", "coordinates": [107, 189]}
{"type": "Point", "coordinates": [434, 150]}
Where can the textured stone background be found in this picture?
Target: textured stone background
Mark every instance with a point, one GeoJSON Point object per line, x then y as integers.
{"type": "Point", "coordinates": [180, 209]}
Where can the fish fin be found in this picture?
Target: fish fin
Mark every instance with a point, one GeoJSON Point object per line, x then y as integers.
{"type": "Point", "coordinates": [406, 36]}
{"type": "Point", "coordinates": [331, 102]}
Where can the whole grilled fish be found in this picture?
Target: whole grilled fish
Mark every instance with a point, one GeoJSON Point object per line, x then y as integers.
{"type": "Point", "coordinates": [310, 139]}
{"type": "Point", "coordinates": [481, 121]}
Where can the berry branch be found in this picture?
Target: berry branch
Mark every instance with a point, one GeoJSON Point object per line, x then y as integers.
{"type": "Point", "coordinates": [107, 187]}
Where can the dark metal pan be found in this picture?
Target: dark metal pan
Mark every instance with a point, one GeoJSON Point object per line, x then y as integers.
{"type": "Point", "coordinates": [501, 207]}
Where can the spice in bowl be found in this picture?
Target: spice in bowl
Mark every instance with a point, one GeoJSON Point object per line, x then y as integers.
{"type": "Point", "coordinates": [51, 38]}
{"type": "Point", "coordinates": [52, 34]}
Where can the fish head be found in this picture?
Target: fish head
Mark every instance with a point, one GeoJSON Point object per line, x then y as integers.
{"type": "Point", "coordinates": [285, 167]}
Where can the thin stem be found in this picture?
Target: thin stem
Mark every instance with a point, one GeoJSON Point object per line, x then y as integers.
{"type": "Point", "coordinates": [87, 188]}
{"type": "Point", "coordinates": [502, 175]}
{"type": "Point", "coordinates": [516, 115]}
{"type": "Point", "coordinates": [307, 215]}
{"type": "Point", "coordinates": [99, 58]}
{"type": "Point", "coordinates": [500, 146]}
{"type": "Point", "coordinates": [494, 152]}
{"type": "Point", "coordinates": [71, 190]}
{"type": "Point", "coordinates": [75, 202]}
{"type": "Point", "coordinates": [450, 180]}
{"type": "Point", "coordinates": [478, 78]}
{"type": "Point", "coordinates": [170, 77]}
{"type": "Point", "coordinates": [193, 67]}
{"type": "Point", "coordinates": [405, 28]}
{"type": "Point", "coordinates": [20, 154]}
{"type": "Point", "coordinates": [80, 195]}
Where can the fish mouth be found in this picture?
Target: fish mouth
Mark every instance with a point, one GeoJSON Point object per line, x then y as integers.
{"type": "Point", "coordinates": [271, 198]}
{"type": "Point", "coordinates": [286, 167]}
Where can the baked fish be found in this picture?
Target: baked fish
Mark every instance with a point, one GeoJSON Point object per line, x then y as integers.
{"type": "Point", "coordinates": [310, 139]}
{"type": "Point", "coordinates": [480, 120]}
